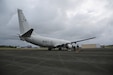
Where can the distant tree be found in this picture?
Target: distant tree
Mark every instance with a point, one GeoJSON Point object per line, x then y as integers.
{"type": "Point", "coordinates": [5, 46]}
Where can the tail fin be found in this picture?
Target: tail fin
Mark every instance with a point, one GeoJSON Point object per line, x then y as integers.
{"type": "Point", "coordinates": [23, 24]}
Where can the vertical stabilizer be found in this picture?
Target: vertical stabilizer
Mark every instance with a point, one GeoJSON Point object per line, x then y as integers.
{"type": "Point", "coordinates": [23, 24]}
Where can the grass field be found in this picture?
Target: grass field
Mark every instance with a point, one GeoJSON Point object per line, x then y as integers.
{"type": "Point", "coordinates": [23, 48]}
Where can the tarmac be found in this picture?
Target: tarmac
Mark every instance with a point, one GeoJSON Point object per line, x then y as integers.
{"type": "Point", "coordinates": [43, 62]}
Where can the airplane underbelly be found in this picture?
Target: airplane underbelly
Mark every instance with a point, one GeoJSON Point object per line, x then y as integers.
{"type": "Point", "coordinates": [40, 42]}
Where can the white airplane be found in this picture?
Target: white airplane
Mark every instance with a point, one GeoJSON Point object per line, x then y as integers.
{"type": "Point", "coordinates": [27, 34]}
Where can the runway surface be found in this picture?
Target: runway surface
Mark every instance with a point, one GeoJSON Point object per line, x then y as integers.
{"type": "Point", "coordinates": [37, 62]}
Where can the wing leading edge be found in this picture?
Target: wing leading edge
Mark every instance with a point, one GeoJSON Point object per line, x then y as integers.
{"type": "Point", "coordinates": [65, 44]}
{"type": "Point", "coordinates": [83, 40]}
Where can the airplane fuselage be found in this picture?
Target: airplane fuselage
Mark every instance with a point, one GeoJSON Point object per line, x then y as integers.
{"type": "Point", "coordinates": [45, 41]}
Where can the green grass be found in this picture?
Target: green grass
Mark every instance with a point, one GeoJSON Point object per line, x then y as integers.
{"type": "Point", "coordinates": [21, 49]}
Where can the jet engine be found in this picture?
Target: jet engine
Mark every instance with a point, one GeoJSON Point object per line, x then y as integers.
{"type": "Point", "coordinates": [69, 46]}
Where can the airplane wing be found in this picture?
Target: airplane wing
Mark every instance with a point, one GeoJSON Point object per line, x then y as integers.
{"type": "Point", "coordinates": [83, 40]}
{"type": "Point", "coordinates": [65, 44]}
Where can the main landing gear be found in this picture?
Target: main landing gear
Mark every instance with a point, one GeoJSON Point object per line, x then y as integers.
{"type": "Point", "coordinates": [49, 48]}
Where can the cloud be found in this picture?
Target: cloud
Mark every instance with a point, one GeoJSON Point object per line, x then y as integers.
{"type": "Point", "coordinates": [65, 19]}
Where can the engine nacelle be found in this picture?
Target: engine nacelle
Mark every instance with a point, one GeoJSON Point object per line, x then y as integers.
{"type": "Point", "coordinates": [69, 46]}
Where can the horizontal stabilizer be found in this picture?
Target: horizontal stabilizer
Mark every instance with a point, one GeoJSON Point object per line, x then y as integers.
{"type": "Point", "coordinates": [28, 33]}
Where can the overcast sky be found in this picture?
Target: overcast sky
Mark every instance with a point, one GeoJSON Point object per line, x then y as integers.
{"type": "Point", "coordinates": [65, 19]}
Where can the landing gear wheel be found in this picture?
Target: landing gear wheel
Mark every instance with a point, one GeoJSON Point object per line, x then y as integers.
{"type": "Point", "coordinates": [49, 49]}
{"type": "Point", "coordinates": [60, 49]}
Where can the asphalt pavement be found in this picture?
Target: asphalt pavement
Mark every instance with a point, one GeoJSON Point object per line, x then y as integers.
{"type": "Point", "coordinates": [43, 62]}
